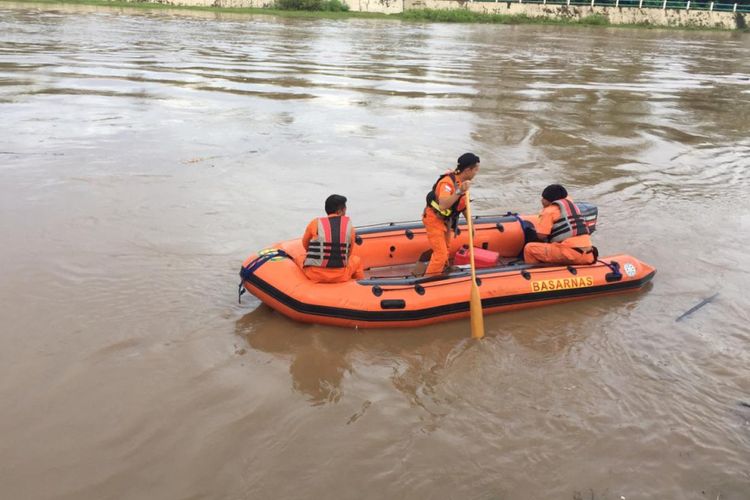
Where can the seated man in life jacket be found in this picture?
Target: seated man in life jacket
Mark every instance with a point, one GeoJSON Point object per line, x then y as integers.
{"type": "Point", "coordinates": [329, 243]}
{"type": "Point", "coordinates": [445, 202]}
{"type": "Point", "coordinates": [562, 233]}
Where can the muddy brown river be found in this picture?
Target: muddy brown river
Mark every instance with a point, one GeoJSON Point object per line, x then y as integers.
{"type": "Point", "coordinates": [144, 155]}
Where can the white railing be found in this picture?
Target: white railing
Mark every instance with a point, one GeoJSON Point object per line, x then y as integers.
{"type": "Point", "coordinates": [619, 4]}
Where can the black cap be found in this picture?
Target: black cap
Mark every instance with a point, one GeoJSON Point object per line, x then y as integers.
{"type": "Point", "coordinates": [554, 192]}
{"type": "Point", "coordinates": [467, 160]}
{"type": "Point", "coordinates": [334, 203]}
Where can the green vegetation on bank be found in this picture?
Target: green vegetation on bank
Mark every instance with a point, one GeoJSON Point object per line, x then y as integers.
{"type": "Point", "coordinates": [312, 5]}
{"type": "Point", "coordinates": [467, 16]}
{"type": "Point", "coordinates": [336, 9]}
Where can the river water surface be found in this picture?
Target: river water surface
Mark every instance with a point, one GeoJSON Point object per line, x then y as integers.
{"type": "Point", "coordinates": [144, 155]}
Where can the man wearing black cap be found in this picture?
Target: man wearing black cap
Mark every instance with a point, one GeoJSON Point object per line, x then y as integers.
{"type": "Point", "coordinates": [562, 232]}
{"type": "Point", "coordinates": [445, 202]}
{"type": "Point", "coordinates": [329, 242]}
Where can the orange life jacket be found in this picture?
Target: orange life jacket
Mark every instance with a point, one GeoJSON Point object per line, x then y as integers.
{"type": "Point", "coordinates": [432, 201]}
{"type": "Point", "coordinates": [331, 246]}
{"type": "Point", "coordinates": [571, 222]}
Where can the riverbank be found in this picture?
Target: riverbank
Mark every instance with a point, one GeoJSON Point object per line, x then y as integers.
{"type": "Point", "coordinates": [451, 11]}
{"type": "Point", "coordinates": [201, 8]}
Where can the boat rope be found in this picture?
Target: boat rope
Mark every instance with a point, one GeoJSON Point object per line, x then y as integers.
{"type": "Point", "coordinates": [247, 271]}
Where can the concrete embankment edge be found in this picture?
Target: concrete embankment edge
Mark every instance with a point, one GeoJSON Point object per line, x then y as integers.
{"type": "Point", "coordinates": [615, 15]}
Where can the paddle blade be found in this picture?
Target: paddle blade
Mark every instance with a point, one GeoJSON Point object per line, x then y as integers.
{"type": "Point", "coordinates": [477, 320]}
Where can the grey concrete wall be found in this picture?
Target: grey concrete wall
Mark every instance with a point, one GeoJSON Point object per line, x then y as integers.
{"type": "Point", "coordinates": [382, 6]}
{"type": "Point", "coordinates": [215, 3]}
{"type": "Point", "coordinates": [616, 15]}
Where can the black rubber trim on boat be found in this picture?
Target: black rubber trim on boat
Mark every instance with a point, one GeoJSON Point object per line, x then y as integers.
{"type": "Point", "coordinates": [419, 226]}
{"type": "Point", "coordinates": [392, 304]}
{"type": "Point", "coordinates": [449, 278]}
{"type": "Point", "coordinates": [444, 309]}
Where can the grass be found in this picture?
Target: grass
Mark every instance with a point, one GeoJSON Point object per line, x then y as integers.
{"type": "Point", "coordinates": [467, 16]}
{"type": "Point", "coordinates": [331, 9]}
{"type": "Point", "coordinates": [311, 5]}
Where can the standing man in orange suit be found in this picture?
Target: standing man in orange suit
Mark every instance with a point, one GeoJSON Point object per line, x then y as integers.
{"type": "Point", "coordinates": [445, 202]}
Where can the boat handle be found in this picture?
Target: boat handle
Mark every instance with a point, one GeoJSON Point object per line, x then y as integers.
{"type": "Point", "coordinates": [392, 304]}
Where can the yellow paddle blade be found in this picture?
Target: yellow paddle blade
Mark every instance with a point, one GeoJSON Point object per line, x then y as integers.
{"type": "Point", "coordinates": [477, 320]}
{"type": "Point", "coordinates": [475, 304]}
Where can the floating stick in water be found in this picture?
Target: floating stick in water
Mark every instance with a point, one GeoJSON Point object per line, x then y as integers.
{"type": "Point", "coordinates": [698, 306]}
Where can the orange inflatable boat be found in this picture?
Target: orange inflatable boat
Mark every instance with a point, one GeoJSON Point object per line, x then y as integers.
{"type": "Point", "coordinates": [390, 296]}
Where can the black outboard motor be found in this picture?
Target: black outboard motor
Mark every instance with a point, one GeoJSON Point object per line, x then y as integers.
{"type": "Point", "coordinates": [590, 214]}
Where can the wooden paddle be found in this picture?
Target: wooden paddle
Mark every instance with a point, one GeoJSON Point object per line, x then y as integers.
{"type": "Point", "coordinates": [475, 304]}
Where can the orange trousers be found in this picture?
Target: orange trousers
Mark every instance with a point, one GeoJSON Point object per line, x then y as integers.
{"type": "Point", "coordinates": [440, 241]}
{"type": "Point", "coordinates": [554, 253]}
{"type": "Point", "coordinates": [353, 270]}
